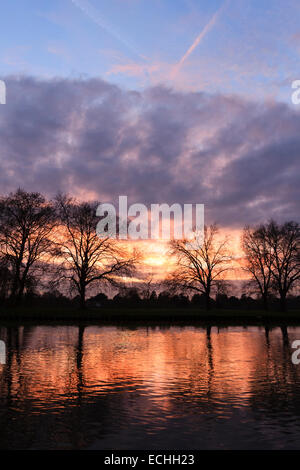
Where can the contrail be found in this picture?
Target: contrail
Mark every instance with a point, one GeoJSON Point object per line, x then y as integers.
{"type": "Point", "coordinates": [198, 39]}
{"type": "Point", "coordinates": [92, 13]}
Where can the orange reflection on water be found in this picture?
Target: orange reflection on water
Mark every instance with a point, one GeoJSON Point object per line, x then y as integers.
{"type": "Point", "coordinates": [112, 386]}
{"type": "Point", "coordinates": [158, 362]}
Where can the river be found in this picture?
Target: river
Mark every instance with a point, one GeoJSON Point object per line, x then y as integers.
{"type": "Point", "coordinates": [107, 387]}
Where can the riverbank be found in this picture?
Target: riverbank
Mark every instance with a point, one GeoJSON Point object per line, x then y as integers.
{"type": "Point", "coordinates": [139, 314]}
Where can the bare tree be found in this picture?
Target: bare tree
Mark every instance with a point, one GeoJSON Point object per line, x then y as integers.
{"type": "Point", "coordinates": [5, 279]}
{"type": "Point", "coordinates": [222, 287]}
{"type": "Point", "coordinates": [147, 287]}
{"type": "Point", "coordinates": [86, 258]}
{"type": "Point", "coordinates": [200, 264]}
{"type": "Point", "coordinates": [284, 243]}
{"type": "Point", "coordinates": [26, 223]}
{"type": "Point", "coordinates": [259, 260]}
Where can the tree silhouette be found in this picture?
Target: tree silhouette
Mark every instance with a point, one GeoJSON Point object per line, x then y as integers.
{"type": "Point", "coordinates": [284, 243]}
{"type": "Point", "coordinates": [26, 223]}
{"type": "Point", "coordinates": [86, 258]}
{"type": "Point", "coordinates": [259, 259]}
{"type": "Point", "coordinates": [200, 263]}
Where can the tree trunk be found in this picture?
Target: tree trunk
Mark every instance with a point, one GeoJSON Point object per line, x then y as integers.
{"type": "Point", "coordinates": [82, 298]}
{"type": "Point", "coordinates": [207, 301]}
{"type": "Point", "coordinates": [283, 301]}
{"type": "Point", "coordinates": [265, 302]}
{"type": "Point", "coordinates": [20, 293]}
{"type": "Point", "coordinates": [19, 296]}
{"type": "Point", "coordinates": [16, 292]}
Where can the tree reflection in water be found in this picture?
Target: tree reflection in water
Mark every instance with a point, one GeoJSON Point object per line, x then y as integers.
{"type": "Point", "coordinates": [90, 387]}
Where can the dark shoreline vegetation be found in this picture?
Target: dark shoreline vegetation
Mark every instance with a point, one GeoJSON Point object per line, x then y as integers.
{"type": "Point", "coordinates": [52, 258]}
{"type": "Point", "coordinates": [141, 315]}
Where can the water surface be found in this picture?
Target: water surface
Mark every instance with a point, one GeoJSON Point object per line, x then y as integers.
{"type": "Point", "coordinates": [75, 387]}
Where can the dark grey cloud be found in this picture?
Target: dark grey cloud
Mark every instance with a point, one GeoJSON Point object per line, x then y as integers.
{"type": "Point", "coordinates": [89, 137]}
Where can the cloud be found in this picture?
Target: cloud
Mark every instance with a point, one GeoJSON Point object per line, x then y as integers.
{"type": "Point", "coordinates": [93, 139]}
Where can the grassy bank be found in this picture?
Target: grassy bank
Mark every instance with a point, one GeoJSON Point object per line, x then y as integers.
{"type": "Point", "coordinates": [117, 314]}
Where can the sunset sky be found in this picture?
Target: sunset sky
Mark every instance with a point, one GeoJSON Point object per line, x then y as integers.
{"type": "Point", "coordinates": [165, 101]}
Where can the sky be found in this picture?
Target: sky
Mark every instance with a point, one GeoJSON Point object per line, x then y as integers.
{"type": "Point", "coordinates": [165, 101]}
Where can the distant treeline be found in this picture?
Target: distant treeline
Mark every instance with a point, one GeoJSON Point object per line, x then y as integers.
{"type": "Point", "coordinates": [133, 297]}
{"type": "Point", "coordinates": [50, 252]}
